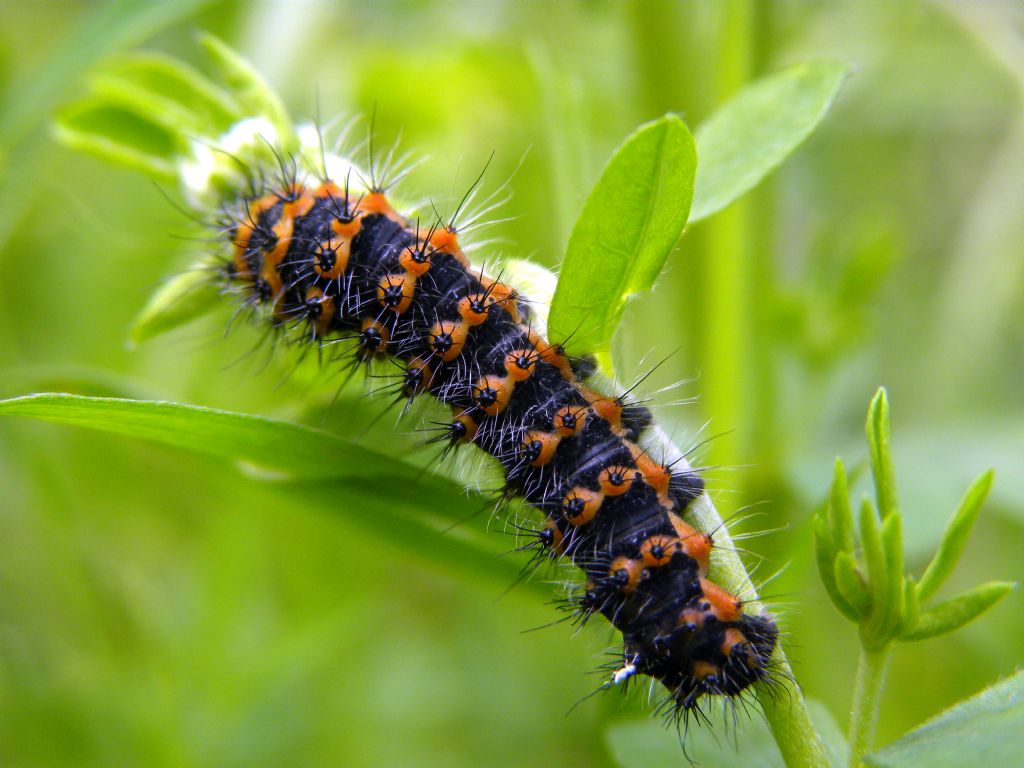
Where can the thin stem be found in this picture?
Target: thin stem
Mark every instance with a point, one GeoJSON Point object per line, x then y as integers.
{"type": "Point", "coordinates": [867, 694]}
{"type": "Point", "coordinates": [790, 722]}
{"type": "Point", "coordinates": [729, 269]}
{"type": "Point", "coordinates": [724, 360]}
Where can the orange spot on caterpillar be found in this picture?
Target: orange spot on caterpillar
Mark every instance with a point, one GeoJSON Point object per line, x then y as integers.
{"type": "Point", "coordinates": [520, 364]}
{"type": "Point", "coordinates": [283, 234]}
{"type": "Point", "coordinates": [691, 618]}
{"type": "Point", "coordinates": [330, 258]}
{"type": "Point", "coordinates": [444, 240]}
{"type": "Point", "coordinates": [373, 339]}
{"type": "Point", "coordinates": [447, 338]}
{"type": "Point", "coordinates": [724, 606]}
{"type": "Point", "coordinates": [539, 447]}
{"type": "Point", "coordinates": [605, 408]}
{"type": "Point", "coordinates": [704, 670]}
{"type": "Point", "coordinates": [417, 377]}
{"type": "Point", "coordinates": [696, 544]}
{"type": "Point", "coordinates": [346, 230]}
{"type": "Point", "coordinates": [616, 479]}
{"type": "Point", "coordinates": [626, 573]}
{"type": "Point", "coordinates": [553, 355]}
{"type": "Point", "coordinates": [395, 291]}
{"type": "Point", "coordinates": [733, 637]}
{"type": "Point", "coordinates": [473, 309]}
{"type": "Point", "coordinates": [570, 419]}
{"type": "Point", "coordinates": [655, 475]}
{"type": "Point", "coordinates": [415, 260]}
{"type": "Point", "coordinates": [468, 424]}
{"type": "Point", "coordinates": [245, 229]}
{"type": "Point", "coordinates": [319, 310]}
{"type": "Point", "coordinates": [492, 394]}
{"type": "Point", "coordinates": [658, 550]}
{"type": "Point", "coordinates": [581, 505]}
{"type": "Point", "coordinates": [503, 296]}
{"type": "Point", "coordinates": [552, 537]}
{"type": "Point", "coordinates": [377, 202]}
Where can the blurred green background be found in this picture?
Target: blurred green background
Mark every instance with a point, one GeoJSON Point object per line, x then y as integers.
{"type": "Point", "coordinates": [160, 609]}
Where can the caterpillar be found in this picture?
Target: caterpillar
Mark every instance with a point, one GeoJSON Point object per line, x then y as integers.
{"type": "Point", "coordinates": [323, 256]}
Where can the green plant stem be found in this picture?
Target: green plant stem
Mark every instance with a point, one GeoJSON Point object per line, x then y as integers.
{"type": "Point", "coordinates": [726, 263]}
{"type": "Point", "coordinates": [725, 358]}
{"type": "Point", "coordinates": [867, 694]}
{"type": "Point", "coordinates": [790, 722]}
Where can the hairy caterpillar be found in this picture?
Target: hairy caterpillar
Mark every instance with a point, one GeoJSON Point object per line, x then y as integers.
{"type": "Point", "coordinates": [318, 249]}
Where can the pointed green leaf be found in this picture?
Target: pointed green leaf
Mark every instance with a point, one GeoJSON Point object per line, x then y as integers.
{"type": "Point", "coordinates": [628, 226]}
{"type": "Point", "coordinates": [958, 611]}
{"type": "Point", "coordinates": [280, 446]}
{"type": "Point", "coordinates": [826, 569]}
{"type": "Point", "coordinates": [986, 729]}
{"type": "Point", "coordinates": [874, 559]}
{"type": "Point", "coordinates": [307, 466]}
{"type": "Point", "coordinates": [955, 537]}
{"type": "Point", "coordinates": [851, 586]}
{"type": "Point", "coordinates": [180, 300]}
{"type": "Point", "coordinates": [177, 82]}
{"type": "Point", "coordinates": [840, 515]}
{"type": "Point", "coordinates": [954, 613]}
{"type": "Point", "coordinates": [248, 86]}
{"type": "Point", "coordinates": [892, 544]}
{"type": "Point", "coordinates": [177, 119]}
{"type": "Point", "coordinates": [748, 137]}
{"type": "Point", "coordinates": [120, 136]}
{"type": "Point", "coordinates": [911, 608]}
{"type": "Point", "coordinates": [880, 444]}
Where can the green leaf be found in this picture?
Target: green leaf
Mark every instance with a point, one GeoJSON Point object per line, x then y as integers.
{"type": "Point", "coordinates": [247, 85]}
{"type": "Point", "coordinates": [180, 300]}
{"type": "Point", "coordinates": [278, 446]}
{"type": "Point", "coordinates": [892, 544]}
{"type": "Point", "coordinates": [851, 586]}
{"type": "Point", "coordinates": [840, 516]}
{"type": "Point", "coordinates": [880, 444]}
{"type": "Point", "coordinates": [986, 729]}
{"type": "Point", "coordinates": [911, 608]}
{"type": "Point", "coordinates": [954, 538]}
{"type": "Point", "coordinates": [629, 224]}
{"type": "Point", "coordinates": [178, 84]}
{"type": "Point", "coordinates": [826, 558]}
{"type": "Point", "coordinates": [954, 613]}
{"type": "Point", "coordinates": [877, 576]}
{"type": "Point", "coordinates": [307, 466]}
{"type": "Point", "coordinates": [748, 137]}
{"type": "Point", "coordinates": [120, 136]}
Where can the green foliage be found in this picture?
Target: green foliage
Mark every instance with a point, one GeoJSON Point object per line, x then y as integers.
{"type": "Point", "coordinates": [630, 223]}
{"type": "Point", "coordinates": [163, 609]}
{"type": "Point", "coordinates": [871, 589]}
{"type": "Point", "coordinates": [638, 208]}
{"type": "Point", "coordinates": [749, 136]}
{"type": "Point", "coordinates": [864, 575]}
{"type": "Point", "coordinates": [143, 110]}
{"type": "Point", "coordinates": [987, 729]}
{"type": "Point", "coordinates": [299, 462]}
{"type": "Point", "coordinates": [182, 299]}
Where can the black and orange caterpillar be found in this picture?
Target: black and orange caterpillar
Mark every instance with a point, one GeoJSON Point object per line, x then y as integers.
{"type": "Point", "coordinates": [330, 264]}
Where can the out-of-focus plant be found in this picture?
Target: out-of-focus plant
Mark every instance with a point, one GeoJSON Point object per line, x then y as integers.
{"type": "Point", "coordinates": [862, 569]}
